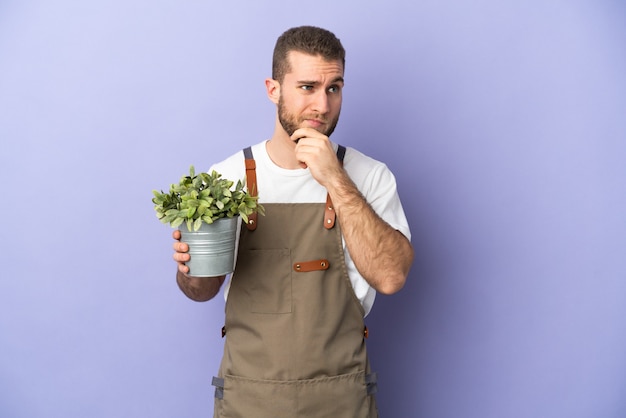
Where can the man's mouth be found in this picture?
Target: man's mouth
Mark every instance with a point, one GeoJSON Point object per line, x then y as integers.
{"type": "Point", "coordinates": [315, 123]}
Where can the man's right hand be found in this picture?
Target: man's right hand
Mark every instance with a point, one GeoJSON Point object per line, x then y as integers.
{"type": "Point", "coordinates": [181, 255]}
{"type": "Point", "coordinates": [196, 288]}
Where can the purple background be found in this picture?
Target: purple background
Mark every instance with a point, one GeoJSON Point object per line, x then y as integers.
{"type": "Point", "coordinates": [504, 121]}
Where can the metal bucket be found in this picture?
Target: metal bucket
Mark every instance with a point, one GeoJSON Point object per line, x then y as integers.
{"type": "Point", "coordinates": [211, 248]}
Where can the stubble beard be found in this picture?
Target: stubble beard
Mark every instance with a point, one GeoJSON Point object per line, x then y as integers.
{"type": "Point", "coordinates": [291, 123]}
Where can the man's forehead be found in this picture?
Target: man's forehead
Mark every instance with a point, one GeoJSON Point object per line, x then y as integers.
{"type": "Point", "coordinates": [301, 62]}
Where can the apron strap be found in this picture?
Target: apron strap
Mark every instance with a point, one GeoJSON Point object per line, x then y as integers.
{"type": "Point", "coordinates": [218, 382]}
{"type": "Point", "coordinates": [252, 185]}
{"type": "Point", "coordinates": [329, 211]}
{"type": "Point", "coordinates": [371, 380]}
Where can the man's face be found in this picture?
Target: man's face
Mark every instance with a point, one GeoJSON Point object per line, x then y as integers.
{"type": "Point", "coordinates": [310, 94]}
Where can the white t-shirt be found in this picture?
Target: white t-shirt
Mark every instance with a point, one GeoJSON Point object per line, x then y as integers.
{"type": "Point", "coordinates": [279, 185]}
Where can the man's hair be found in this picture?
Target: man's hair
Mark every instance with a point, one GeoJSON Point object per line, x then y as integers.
{"type": "Point", "coordinates": [309, 40]}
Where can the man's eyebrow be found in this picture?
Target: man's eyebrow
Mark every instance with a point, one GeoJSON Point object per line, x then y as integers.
{"type": "Point", "coordinates": [314, 83]}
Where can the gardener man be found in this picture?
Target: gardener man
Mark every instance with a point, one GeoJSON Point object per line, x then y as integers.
{"type": "Point", "coordinates": [334, 233]}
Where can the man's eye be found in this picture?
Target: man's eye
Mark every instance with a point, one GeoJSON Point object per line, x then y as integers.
{"type": "Point", "coordinates": [334, 89]}
{"type": "Point", "coordinates": [306, 87]}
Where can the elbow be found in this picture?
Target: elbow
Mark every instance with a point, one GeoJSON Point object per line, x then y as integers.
{"type": "Point", "coordinates": [199, 289]}
{"type": "Point", "coordinates": [395, 279]}
{"type": "Point", "coordinates": [392, 284]}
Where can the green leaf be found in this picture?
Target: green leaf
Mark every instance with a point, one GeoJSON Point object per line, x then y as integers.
{"type": "Point", "coordinates": [204, 197]}
{"type": "Point", "coordinates": [177, 222]}
{"type": "Point", "coordinates": [168, 218]}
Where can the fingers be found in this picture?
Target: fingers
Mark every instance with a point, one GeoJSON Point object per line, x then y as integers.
{"type": "Point", "coordinates": [313, 142]}
{"type": "Point", "coordinates": [307, 133]}
{"type": "Point", "coordinates": [181, 259]}
{"type": "Point", "coordinates": [180, 247]}
{"type": "Point", "coordinates": [315, 152]}
{"type": "Point", "coordinates": [180, 252]}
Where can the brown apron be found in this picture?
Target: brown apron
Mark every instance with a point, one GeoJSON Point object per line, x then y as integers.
{"type": "Point", "coordinates": [294, 329]}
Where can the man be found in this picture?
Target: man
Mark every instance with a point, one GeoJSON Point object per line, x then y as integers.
{"type": "Point", "coordinates": [334, 233]}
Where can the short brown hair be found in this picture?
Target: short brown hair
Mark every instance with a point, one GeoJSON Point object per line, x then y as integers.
{"type": "Point", "coordinates": [309, 40]}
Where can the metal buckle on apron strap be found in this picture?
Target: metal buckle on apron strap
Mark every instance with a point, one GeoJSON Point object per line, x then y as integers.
{"type": "Point", "coordinates": [315, 265]}
{"type": "Point", "coordinates": [329, 214]}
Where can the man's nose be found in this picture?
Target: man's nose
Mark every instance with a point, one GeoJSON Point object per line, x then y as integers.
{"type": "Point", "coordinates": [320, 103]}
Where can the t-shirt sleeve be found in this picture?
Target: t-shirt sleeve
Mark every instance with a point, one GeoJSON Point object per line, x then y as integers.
{"type": "Point", "coordinates": [380, 190]}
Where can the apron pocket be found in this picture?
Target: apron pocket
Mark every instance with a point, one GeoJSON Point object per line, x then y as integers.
{"type": "Point", "coordinates": [265, 294]}
{"type": "Point", "coordinates": [344, 396]}
{"type": "Point", "coordinates": [247, 398]}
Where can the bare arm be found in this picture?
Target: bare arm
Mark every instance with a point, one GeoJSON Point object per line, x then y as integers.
{"type": "Point", "coordinates": [382, 254]}
{"type": "Point", "coordinates": [199, 289]}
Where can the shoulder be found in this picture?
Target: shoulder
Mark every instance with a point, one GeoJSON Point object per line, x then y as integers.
{"type": "Point", "coordinates": [367, 172]}
{"type": "Point", "coordinates": [378, 185]}
{"type": "Point", "coordinates": [356, 160]}
{"type": "Point", "coordinates": [233, 167]}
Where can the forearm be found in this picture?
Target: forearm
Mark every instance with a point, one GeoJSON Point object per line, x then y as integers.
{"type": "Point", "coordinates": [382, 254]}
{"type": "Point", "coordinates": [199, 289]}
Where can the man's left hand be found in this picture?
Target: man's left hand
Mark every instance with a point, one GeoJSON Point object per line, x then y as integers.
{"type": "Point", "coordinates": [315, 151]}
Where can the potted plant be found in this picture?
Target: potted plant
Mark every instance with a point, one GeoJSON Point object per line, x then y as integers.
{"type": "Point", "coordinates": [205, 208]}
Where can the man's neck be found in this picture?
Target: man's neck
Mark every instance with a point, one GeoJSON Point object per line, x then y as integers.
{"type": "Point", "coordinates": [281, 149]}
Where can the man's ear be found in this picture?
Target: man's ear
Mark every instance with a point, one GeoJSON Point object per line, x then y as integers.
{"type": "Point", "coordinates": [273, 89]}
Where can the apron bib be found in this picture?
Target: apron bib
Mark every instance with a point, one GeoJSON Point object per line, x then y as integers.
{"type": "Point", "coordinates": [295, 343]}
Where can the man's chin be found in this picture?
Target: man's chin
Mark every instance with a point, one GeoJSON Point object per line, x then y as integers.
{"type": "Point", "coordinates": [323, 129]}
